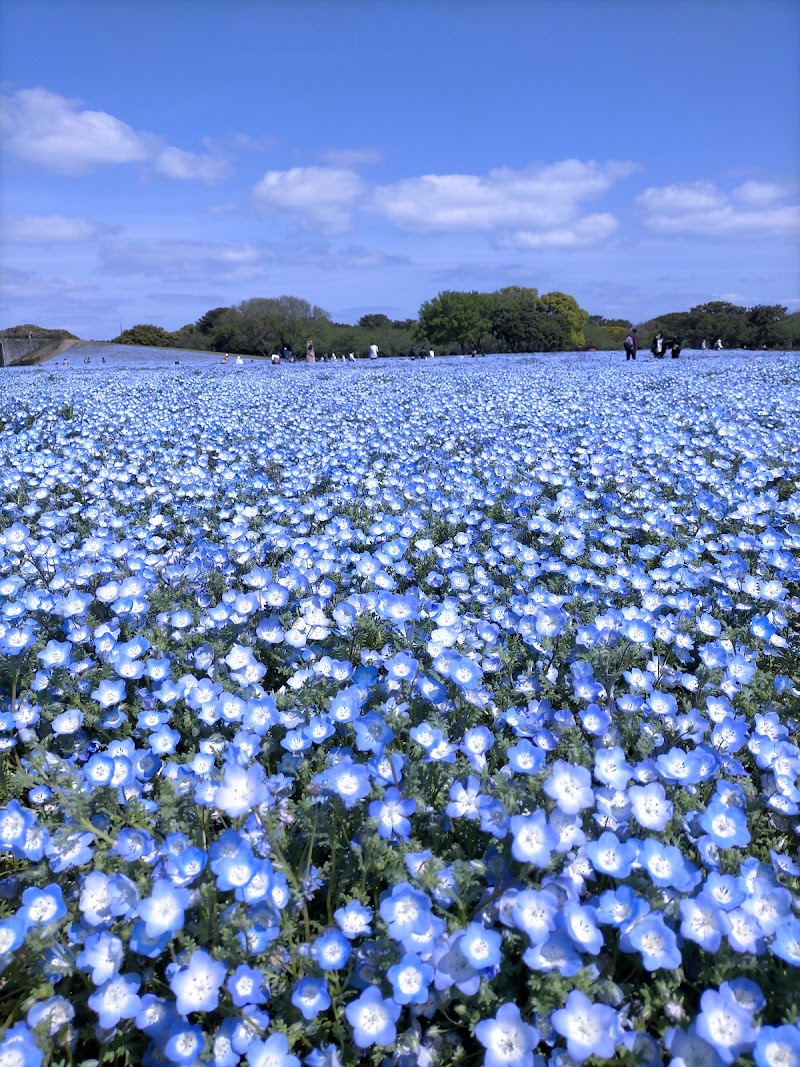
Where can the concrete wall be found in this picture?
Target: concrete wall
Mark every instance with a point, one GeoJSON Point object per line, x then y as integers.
{"type": "Point", "coordinates": [16, 350]}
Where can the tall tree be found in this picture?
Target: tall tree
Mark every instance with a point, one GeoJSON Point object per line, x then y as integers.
{"type": "Point", "coordinates": [765, 322]}
{"type": "Point", "coordinates": [453, 317]}
{"type": "Point", "coordinates": [574, 316]}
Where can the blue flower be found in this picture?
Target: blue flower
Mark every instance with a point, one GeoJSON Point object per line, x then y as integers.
{"type": "Point", "coordinates": [405, 910]}
{"type": "Point", "coordinates": [509, 1042]}
{"type": "Point", "coordinates": [391, 814]}
{"type": "Point", "coordinates": [611, 856]}
{"type": "Point", "coordinates": [570, 786]}
{"type": "Point", "coordinates": [116, 999]}
{"type": "Point", "coordinates": [411, 979]}
{"type": "Point", "coordinates": [348, 780]}
{"type": "Point", "coordinates": [480, 947]}
{"type": "Point", "coordinates": [778, 1046]}
{"type": "Point", "coordinates": [40, 907]}
{"type": "Point", "coordinates": [372, 1019]}
{"type": "Point", "coordinates": [185, 1045]}
{"type": "Point", "coordinates": [163, 911]}
{"type": "Point", "coordinates": [274, 1052]}
{"type": "Point", "coordinates": [310, 996]}
{"type": "Point", "coordinates": [196, 986]}
{"type": "Point", "coordinates": [245, 986]}
{"type": "Point", "coordinates": [534, 839]}
{"type": "Point", "coordinates": [726, 1026]}
{"type": "Point", "coordinates": [331, 950]}
{"type": "Point", "coordinates": [354, 919]}
{"type": "Point", "coordinates": [655, 941]}
{"type": "Point", "coordinates": [726, 826]}
{"type": "Point", "coordinates": [18, 1047]}
{"type": "Point", "coordinates": [590, 1029]}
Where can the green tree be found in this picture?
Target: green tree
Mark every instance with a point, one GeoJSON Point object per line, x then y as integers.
{"type": "Point", "coordinates": [454, 318]}
{"type": "Point", "coordinates": [373, 322]}
{"type": "Point", "coordinates": [574, 316]}
{"type": "Point", "coordinates": [522, 323]}
{"type": "Point", "coordinates": [765, 323]}
{"type": "Point", "coordinates": [269, 323]}
{"type": "Point", "coordinates": [147, 335]}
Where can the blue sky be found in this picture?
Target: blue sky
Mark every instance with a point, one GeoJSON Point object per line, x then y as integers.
{"type": "Point", "coordinates": [163, 158]}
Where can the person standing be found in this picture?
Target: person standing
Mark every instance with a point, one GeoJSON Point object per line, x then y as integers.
{"type": "Point", "coordinates": [658, 345]}
{"type": "Point", "coordinates": [631, 345]}
{"type": "Point", "coordinates": [373, 351]}
{"type": "Point", "coordinates": [310, 356]}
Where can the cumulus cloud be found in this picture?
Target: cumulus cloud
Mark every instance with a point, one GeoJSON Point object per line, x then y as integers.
{"type": "Point", "coordinates": [55, 133]}
{"type": "Point", "coordinates": [538, 199]}
{"type": "Point", "coordinates": [182, 260]}
{"type": "Point", "coordinates": [583, 232]}
{"type": "Point", "coordinates": [51, 229]}
{"type": "Point", "coordinates": [752, 209]}
{"type": "Point", "coordinates": [323, 196]}
{"type": "Point", "coordinates": [187, 166]}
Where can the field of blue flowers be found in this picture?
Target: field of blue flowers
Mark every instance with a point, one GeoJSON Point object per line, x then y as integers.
{"type": "Point", "coordinates": [398, 714]}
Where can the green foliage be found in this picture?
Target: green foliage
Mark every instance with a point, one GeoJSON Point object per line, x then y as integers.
{"type": "Point", "coordinates": [567, 307]}
{"type": "Point", "coordinates": [145, 334]}
{"type": "Point", "coordinates": [454, 318]}
{"type": "Point", "coordinates": [38, 331]}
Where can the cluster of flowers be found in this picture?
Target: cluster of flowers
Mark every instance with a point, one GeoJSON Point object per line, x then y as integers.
{"type": "Point", "coordinates": [453, 719]}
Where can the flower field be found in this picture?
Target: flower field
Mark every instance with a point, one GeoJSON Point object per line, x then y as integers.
{"type": "Point", "coordinates": [398, 714]}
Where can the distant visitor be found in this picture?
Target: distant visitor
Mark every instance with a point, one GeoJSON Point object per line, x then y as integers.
{"type": "Point", "coordinates": [631, 345]}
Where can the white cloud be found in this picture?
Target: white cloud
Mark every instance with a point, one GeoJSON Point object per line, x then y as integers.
{"type": "Point", "coordinates": [51, 229]}
{"type": "Point", "coordinates": [21, 285]}
{"type": "Point", "coordinates": [186, 166]}
{"type": "Point", "coordinates": [539, 198]}
{"type": "Point", "coordinates": [583, 232]}
{"type": "Point", "coordinates": [700, 208]}
{"type": "Point", "coordinates": [182, 260]}
{"type": "Point", "coordinates": [53, 132]}
{"type": "Point", "coordinates": [324, 196]}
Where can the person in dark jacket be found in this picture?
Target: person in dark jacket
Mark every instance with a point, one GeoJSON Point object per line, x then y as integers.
{"type": "Point", "coordinates": [631, 345]}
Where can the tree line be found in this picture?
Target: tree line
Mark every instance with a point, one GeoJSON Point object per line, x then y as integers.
{"type": "Point", "coordinates": [512, 319]}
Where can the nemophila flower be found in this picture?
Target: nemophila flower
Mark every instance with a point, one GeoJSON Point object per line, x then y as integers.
{"type": "Point", "coordinates": [411, 979]}
{"type": "Point", "coordinates": [405, 910]}
{"type": "Point", "coordinates": [688, 1049]}
{"type": "Point", "coordinates": [667, 866]}
{"type": "Point", "coordinates": [245, 986]}
{"type": "Point", "coordinates": [50, 1016]}
{"type": "Point", "coordinates": [480, 947]}
{"type": "Point", "coordinates": [310, 996]}
{"type": "Point", "coordinates": [778, 1046]}
{"type": "Point", "coordinates": [464, 799]}
{"type": "Point", "coordinates": [372, 733]}
{"type": "Point", "coordinates": [726, 826]}
{"type": "Point", "coordinates": [274, 1052]}
{"type": "Point", "coordinates": [163, 911]}
{"type": "Point", "coordinates": [12, 934]}
{"type": "Point", "coordinates": [196, 985]}
{"type": "Point", "coordinates": [348, 780]}
{"type": "Point", "coordinates": [40, 907]}
{"type": "Point", "coordinates": [493, 817]}
{"type": "Point", "coordinates": [373, 1018]}
{"type": "Point", "coordinates": [570, 786]}
{"type": "Point", "coordinates": [611, 856]}
{"type": "Point", "coordinates": [655, 941]}
{"type": "Point", "coordinates": [116, 999]}
{"type": "Point", "coordinates": [102, 956]}
{"type": "Point", "coordinates": [68, 722]}
{"type": "Point", "coordinates": [15, 822]}
{"type": "Point", "coordinates": [726, 1026]}
{"type": "Point", "coordinates": [184, 1045]}
{"type": "Point", "coordinates": [726, 890]}
{"type": "Point", "coordinates": [524, 757]}
{"type": "Point", "coordinates": [770, 905]}
{"type": "Point", "coordinates": [354, 919]}
{"type": "Point", "coordinates": [534, 913]}
{"type": "Point", "coordinates": [391, 814]}
{"type": "Point", "coordinates": [508, 1041]}
{"type": "Point", "coordinates": [534, 839]}
{"type": "Point", "coordinates": [18, 1048]}
{"type": "Point", "coordinates": [331, 950]}
{"type": "Point", "coordinates": [242, 789]}
{"type": "Point", "coordinates": [620, 907]}
{"type": "Point", "coordinates": [703, 921]}
{"type": "Point", "coordinates": [589, 1029]}
{"type": "Point", "coordinates": [650, 806]}
{"type": "Point", "coordinates": [744, 932]}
